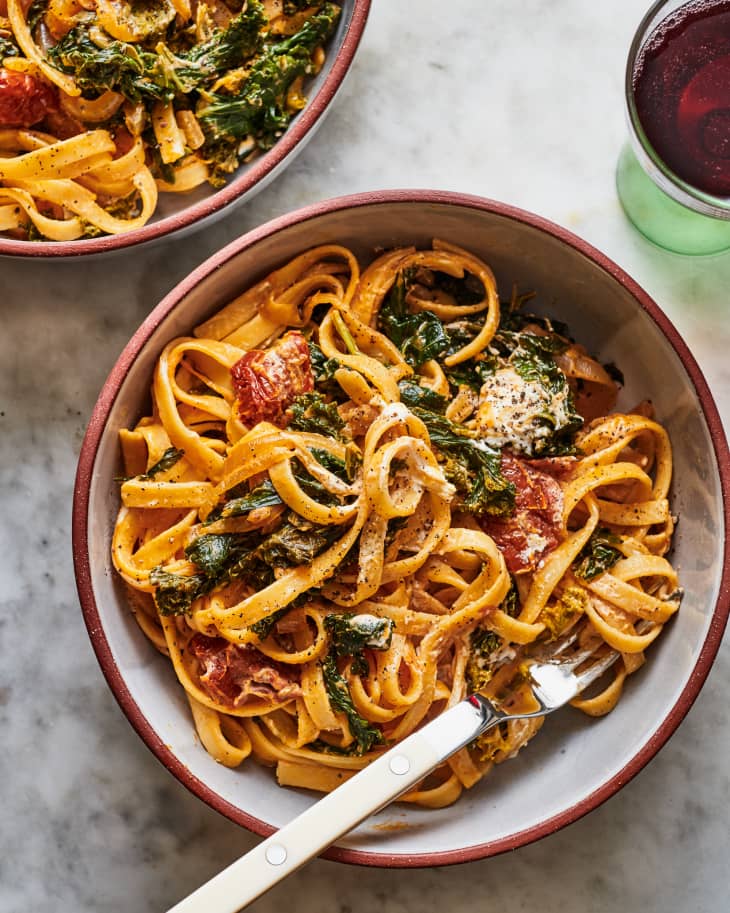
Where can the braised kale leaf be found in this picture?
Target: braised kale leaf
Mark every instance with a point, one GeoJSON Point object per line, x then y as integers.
{"type": "Point", "coordinates": [227, 48]}
{"type": "Point", "coordinates": [8, 49]}
{"type": "Point", "coordinates": [222, 557]}
{"type": "Point", "coordinates": [310, 412]}
{"type": "Point", "coordinates": [483, 644]}
{"type": "Point", "coordinates": [175, 592]}
{"type": "Point", "coordinates": [420, 336]}
{"type": "Point", "coordinates": [263, 495]}
{"type": "Point", "coordinates": [265, 626]}
{"type": "Point", "coordinates": [532, 356]}
{"type": "Point", "coordinates": [296, 542]}
{"type": "Point", "coordinates": [364, 733]}
{"type": "Point", "coordinates": [324, 369]}
{"type": "Point", "coordinates": [598, 554]}
{"type": "Point", "coordinates": [168, 459]}
{"type": "Point", "coordinates": [258, 109]}
{"type": "Point", "coordinates": [118, 66]}
{"type": "Point", "coordinates": [351, 634]}
{"type": "Point", "coordinates": [294, 6]}
{"type": "Point", "coordinates": [413, 394]}
{"type": "Point", "coordinates": [471, 465]}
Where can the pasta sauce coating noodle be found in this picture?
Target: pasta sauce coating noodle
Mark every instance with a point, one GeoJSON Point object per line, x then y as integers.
{"type": "Point", "coordinates": [323, 532]}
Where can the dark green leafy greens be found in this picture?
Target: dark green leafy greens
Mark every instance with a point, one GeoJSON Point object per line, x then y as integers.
{"type": "Point", "coordinates": [36, 11]}
{"type": "Point", "coordinates": [353, 749]}
{"type": "Point", "coordinates": [413, 394]}
{"type": "Point", "coordinates": [471, 373]}
{"type": "Point", "coordinates": [598, 554]}
{"type": "Point", "coordinates": [353, 462]}
{"type": "Point", "coordinates": [395, 525]}
{"type": "Point", "coordinates": [310, 412]}
{"type": "Point", "coordinates": [419, 336]}
{"type": "Point", "coordinates": [225, 49]}
{"type": "Point", "coordinates": [364, 734]}
{"type": "Point", "coordinates": [312, 487]}
{"type": "Point", "coordinates": [351, 634]}
{"type": "Point", "coordinates": [514, 319]}
{"type": "Point", "coordinates": [142, 75]}
{"type": "Point", "coordinates": [466, 291]}
{"type": "Point", "coordinates": [216, 554]}
{"type": "Point", "coordinates": [120, 66]}
{"type": "Point", "coordinates": [222, 557]}
{"type": "Point", "coordinates": [263, 495]}
{"type": "Point", "coordinates": [324, 369]}
{"type": "Point", "coordinates": [168, 459]}
{"type": "Point", "coordinates": [294, 6]}
{"type": "Point", "coordinates": [258, 108]}
{"type": "Point", "coordinates": [484, 643]}
{"type": "Point", "coordinates": [532, 356]}
{"type": "Point", "coordinates": [296, 542]}
{"type": "Point", "coordinates": [175, 592]}
{"type": "Point", "coordinates": [471, 465]}
{"type": "Point", "coordinates": [511, 603]}
{"type": "Point", "coordinates": [266, 625]}
{"type": "Point", "coordinates": [346, 469]}
{"type": "Point", "coordinates": [7, 48]}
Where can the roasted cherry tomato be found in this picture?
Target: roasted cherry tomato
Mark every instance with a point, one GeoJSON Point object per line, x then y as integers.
{"type": "Point", "coordinates": [24, 99]}
{"type": "Point", "coordinates": [268, 381]}
{"type": "Point", "coordinates": [535, 527]}
{"type": "Point", "coordinates": [235, 673]}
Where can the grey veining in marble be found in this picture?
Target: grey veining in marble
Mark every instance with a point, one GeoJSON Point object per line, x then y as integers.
{"type": "Point", "coordinates": [520, 100]}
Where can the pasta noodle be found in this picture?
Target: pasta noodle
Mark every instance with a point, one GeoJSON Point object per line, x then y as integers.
{"type": "Point", "coordinates": [106, 103]}
{"type": "Point", "coordinates": [362, 494]}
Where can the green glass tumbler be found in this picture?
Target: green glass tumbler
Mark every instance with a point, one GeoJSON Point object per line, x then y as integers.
{"type": "Point", "coordinates": [667, 210]}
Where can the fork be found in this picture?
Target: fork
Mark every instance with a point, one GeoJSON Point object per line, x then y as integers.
{"type": "Point", "coordinates": [554, 682]}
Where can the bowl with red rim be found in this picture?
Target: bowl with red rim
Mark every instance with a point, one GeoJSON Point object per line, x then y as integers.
{"type": "Point", "coordinates": [576, 762]}
{"type": "Point", "coordinates": [184, 213]}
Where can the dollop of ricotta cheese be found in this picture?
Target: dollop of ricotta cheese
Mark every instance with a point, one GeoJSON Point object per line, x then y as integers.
{"type": "Point", "coordinates": [518, 413]}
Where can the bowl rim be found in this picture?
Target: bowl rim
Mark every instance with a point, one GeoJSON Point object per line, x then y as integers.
{"type": "Point", "coordinates": [96, 427]}
{"type": "Point", "coordinates": [254, 177]}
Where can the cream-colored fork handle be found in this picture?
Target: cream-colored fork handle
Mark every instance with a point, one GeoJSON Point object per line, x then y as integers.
{"type": "Point", "coordinates": [320, 825]}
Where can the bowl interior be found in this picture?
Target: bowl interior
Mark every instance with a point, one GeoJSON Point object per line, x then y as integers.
{"type": "Point", "coordinates": [573, 757]}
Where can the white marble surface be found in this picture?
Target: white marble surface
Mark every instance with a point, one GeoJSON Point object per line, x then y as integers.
{"type": "Point", "coordinates": [519, 100]}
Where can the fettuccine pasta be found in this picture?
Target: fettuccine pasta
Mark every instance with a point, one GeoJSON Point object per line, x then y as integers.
{"type": "Point", "coordinates": [106, 103]}
{"type": "Point", "coordinates": [362, 494]}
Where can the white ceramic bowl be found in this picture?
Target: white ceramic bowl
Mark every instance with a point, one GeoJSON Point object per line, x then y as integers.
{"type": "Point", "coordinates": [576, 762]}
{"type": "Point", "coordinates": [186, 212]}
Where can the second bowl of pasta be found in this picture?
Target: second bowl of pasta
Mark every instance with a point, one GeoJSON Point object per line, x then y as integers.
{"type": "Point", "coordinates": [120, 125]}
{"type": "Point", "coordinates": [395, 442]}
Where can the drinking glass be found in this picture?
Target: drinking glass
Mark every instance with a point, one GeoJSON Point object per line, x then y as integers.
{"type": "Point", "coordinates": [665, 209]}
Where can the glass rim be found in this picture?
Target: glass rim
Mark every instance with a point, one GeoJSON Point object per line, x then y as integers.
{"type": "Point", "coordinates": [657, 169]}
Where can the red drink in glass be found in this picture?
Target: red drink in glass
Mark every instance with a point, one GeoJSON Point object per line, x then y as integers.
{"type": "Point", "coordinates": [681, 84]}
